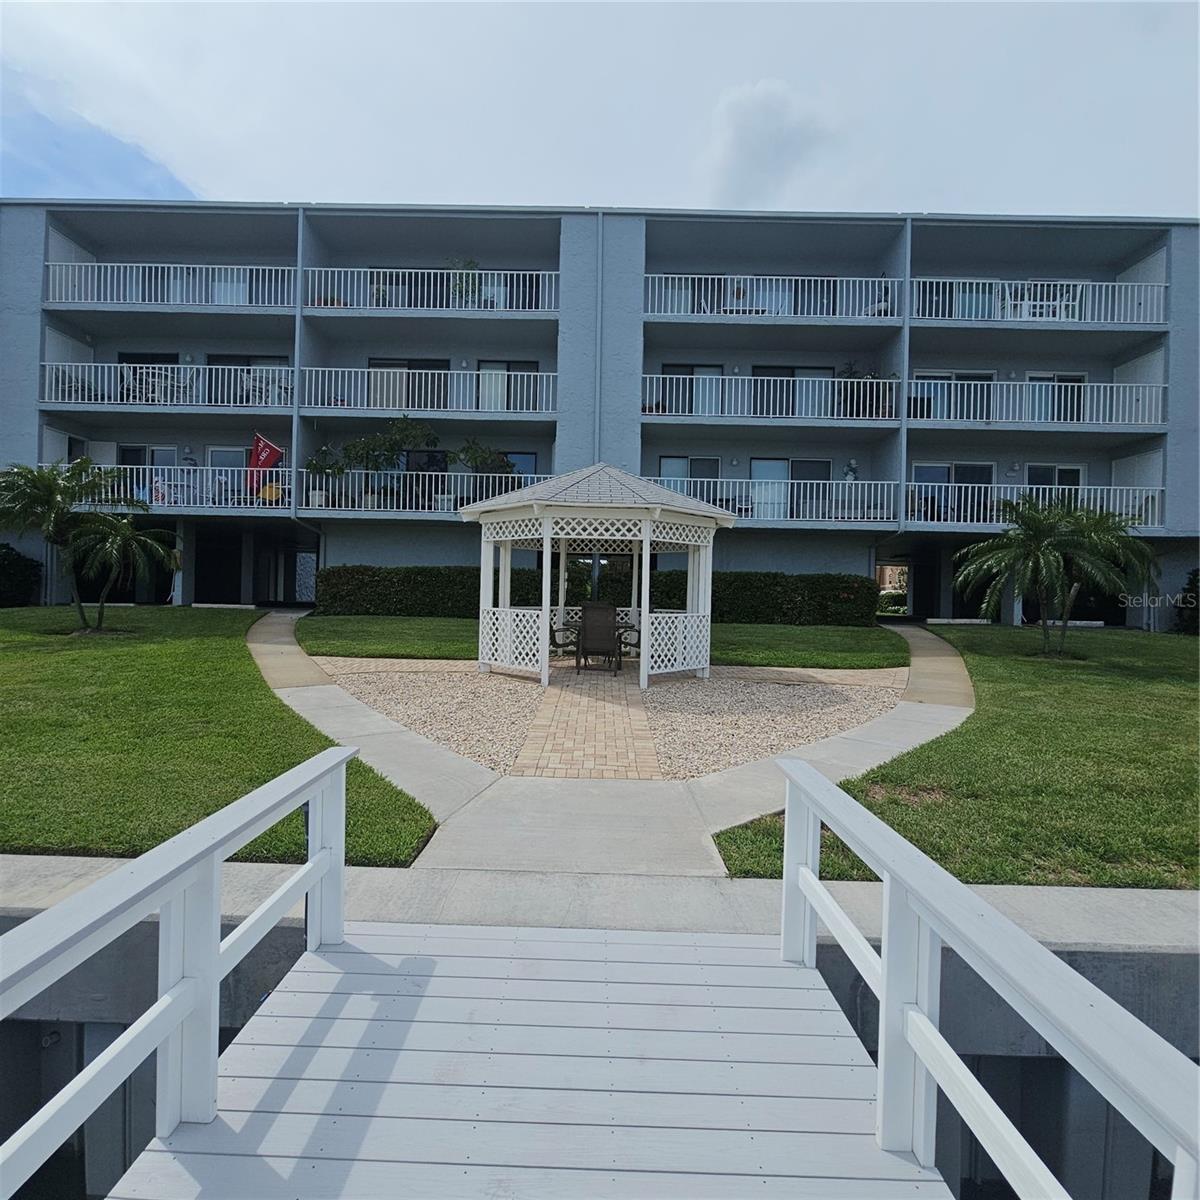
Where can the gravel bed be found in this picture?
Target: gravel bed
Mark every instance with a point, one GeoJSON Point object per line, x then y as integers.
{"type": "Point", "coordinates": [703, 725]}
{"type": "Point", "coordinates": [482, 716]}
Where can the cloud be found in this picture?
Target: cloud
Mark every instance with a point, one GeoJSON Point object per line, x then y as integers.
{"type": "Point", "coordinates": [763, 136]}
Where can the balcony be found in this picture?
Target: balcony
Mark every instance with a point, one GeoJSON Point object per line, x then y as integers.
{"type": "Point", "coordinates": [770, 297]}
{"type": "Point", "coordinates": [412, 289]}
{"type": "Point", "coordinates": [743, 397]}
{"type": "Point", "coordinates": [400, 389]}
{"type": "Point", "coordinates": [95, 385]}
{"type": "Point", "coordinates": [936, 505]}
{"type": "Point", "coordinates": [795, 502]}
{"type": "Point", "coordinates": [170, 285]}
{"type": "Point", "coordinates": [239, 490]}
{"type": "Point", "coordinates": [423, 493]}
{"type": "Point", "coordinates": [1040, 301]}
{"type": "Point", "coordinates": [1035, 402]}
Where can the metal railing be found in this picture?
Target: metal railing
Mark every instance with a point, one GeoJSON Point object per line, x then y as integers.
{"type": "Point", "coordinates": [180, 881]}
{"type": "Point", "coordinates": [793, 500]}
{"type": "Point", "coordinates": [1042, 402]}
{"type": "Point", "coordinates": [405, 491]}
{"type": "Point", "coordinates": [431, 290]}
{"type": "Point", "coordinates": [166, 386]}
{"type": "Point", "coordinates": [982, 503]}
{"type": "Point", "coordinates": [747, 296]}
{"type": "Point", "coordinates": [183, 284]}
{"type": "Point", "coordinates": [760, 397]}
{"type": "Point", "coordinates": [1055, 300]}
{"type": "Point", "coordinates": [1145, 1079]}
{"type": "Point", "coordinates": [430, 391]}
{"type": "Point", "coordinates": [164, 488]}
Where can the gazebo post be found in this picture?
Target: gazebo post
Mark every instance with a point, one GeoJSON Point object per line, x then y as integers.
{"type": "Point", "coordinates": [486, 555]}
{"type": "Point", "coordinates": [704, 598]}
{"type": "Point", "coordinates": [544, 624]}
{"type": "Point", "coordinates": [505, 575]}
{"type": "Point", "coordinates": [634, 614]}
{"type": "Point", "coordinates": [562, 579]}
{"type": "Point", "coordinates": [644, 640]}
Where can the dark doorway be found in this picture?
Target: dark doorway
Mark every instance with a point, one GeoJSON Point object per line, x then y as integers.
{"type": "Point", "coordinates": [925, 588]}
{"type": "Point", "coordinates": [218, 567]}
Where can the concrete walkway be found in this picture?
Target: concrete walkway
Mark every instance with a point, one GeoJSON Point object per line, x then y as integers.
{"type": "Point", "coordinates": [646, 827]}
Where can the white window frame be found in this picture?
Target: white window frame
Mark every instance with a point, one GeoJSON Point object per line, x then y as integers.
{"type": "Point", "coordinates": [951, 463]}
{"type": "Point", "coordinates": [809, 458]}
{"type": "Point", "coordinates": [243, 450]}
{"type": "Point", "coordinates": [1030, 376]}
{"type": "Point", "coordinates": [1058, 466]}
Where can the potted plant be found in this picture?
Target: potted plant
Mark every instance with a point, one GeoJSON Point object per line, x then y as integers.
{"type": "Point", "coordinates": [320, 467]}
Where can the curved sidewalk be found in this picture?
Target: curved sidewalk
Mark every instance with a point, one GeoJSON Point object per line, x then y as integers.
{"type": "Point", "coordinates": [636, 827]}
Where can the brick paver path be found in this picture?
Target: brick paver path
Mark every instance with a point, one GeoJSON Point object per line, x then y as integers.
{"type": "Point", "coordinates": [590, 726]}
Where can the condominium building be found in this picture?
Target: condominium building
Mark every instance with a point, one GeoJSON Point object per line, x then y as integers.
{"type": "Point", "coordinates": [860, 391]}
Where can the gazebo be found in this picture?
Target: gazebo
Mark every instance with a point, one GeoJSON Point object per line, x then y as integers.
{"type": "Point", "coordinates": [598, 508]}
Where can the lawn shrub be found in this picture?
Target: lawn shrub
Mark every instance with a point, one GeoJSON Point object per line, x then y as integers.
{"type": "Point", "coordinates": [739, 597]}
{"type": "Point", "coordinates": [19, 577]}
{"type": "Point", "coordinates": [892, 600]}
{"type": "Point", "coordinates": [1187, 612]}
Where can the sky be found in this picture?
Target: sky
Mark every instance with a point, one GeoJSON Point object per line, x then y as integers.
{"type": "Point", "coordinates": [1076, 108]}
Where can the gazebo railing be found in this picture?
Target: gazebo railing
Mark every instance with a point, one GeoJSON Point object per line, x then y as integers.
{"type": "Point", "coordinates": [676, 641]}
{"type": "Point", "coordinates": [511, 637]}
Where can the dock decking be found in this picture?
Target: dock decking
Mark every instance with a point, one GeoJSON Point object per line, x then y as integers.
{"type": "Point", "coordinates": [435, 1060]}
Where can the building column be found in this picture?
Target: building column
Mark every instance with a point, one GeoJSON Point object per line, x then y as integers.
{"type": "Point", "coordinates": [1011, 606]}
{"type": "Point", "coordinates": [183, 587]}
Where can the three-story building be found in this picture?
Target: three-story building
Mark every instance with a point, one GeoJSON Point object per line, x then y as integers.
{"type": "Point", "coordinates": [860, 391]}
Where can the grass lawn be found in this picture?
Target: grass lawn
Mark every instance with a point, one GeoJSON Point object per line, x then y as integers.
{"type": "Point", "coordinates": [111, 744]}
{"type": "Point", "coordinates": [1080, 771]}
{"type": "Point", "coordinates": [735, 645]}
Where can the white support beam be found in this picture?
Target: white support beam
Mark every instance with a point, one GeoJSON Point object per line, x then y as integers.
{"type": "Point", "coordinates": [562, 576]}
{"type": "Point", "coordinates": [644, 657]}
{"type": "Point", "coordinates": [486, 555]}
{"type": "Point", "coordinates": [634, 607]}
{"type": "Point", "coordinates": [544, 626]}
{"type": "Point", "coordinates": [505, 600]}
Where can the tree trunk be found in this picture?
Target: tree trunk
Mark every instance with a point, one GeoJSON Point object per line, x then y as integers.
{"type": "Point", "coordinates": [104, 596]}
{"type": "Point", "coordinates": [1068, 604]}
{"type": "Point", "coordinates": [77, 600]}
{"type": "Point", "coordinates": [1043, 616]}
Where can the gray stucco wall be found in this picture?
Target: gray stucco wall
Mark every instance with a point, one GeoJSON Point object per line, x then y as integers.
{"type": "Point", "coordinates": [400, 543]}
{"type": "Point", "coordinates": [793, 551]}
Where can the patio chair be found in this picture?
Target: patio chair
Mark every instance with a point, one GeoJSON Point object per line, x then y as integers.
{"type": "Point", "coordinates": [598, 637]}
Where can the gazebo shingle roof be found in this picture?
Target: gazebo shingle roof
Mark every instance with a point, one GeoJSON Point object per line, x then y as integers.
{"type": "Point", "coordinates": [597, 486]}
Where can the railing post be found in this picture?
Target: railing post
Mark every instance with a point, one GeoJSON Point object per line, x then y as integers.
{"type": "Point", "coordinates": [1186, 1182]}
{"type": "Point", "coordinates": [897, 1119]}
{"type": "Point", "coordinates": [324, 915]}
{"type": "Point", "coordinates": [801, 848]}
{"type": "Point", "coordinates": [192, 939]}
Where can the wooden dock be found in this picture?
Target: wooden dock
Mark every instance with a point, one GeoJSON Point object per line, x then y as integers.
{"type": "Point", "coordinates": [427, 1060]}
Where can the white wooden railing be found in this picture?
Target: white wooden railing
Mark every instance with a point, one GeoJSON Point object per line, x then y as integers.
{"type": "Point", "coordinates": [184, 284]}
{"type": "Point", "coordinates": [1043, 403]}
{"type": "Point", "coordinates": [793, 500]}
{"type": "Point", "coordinates": [751, 396]}
{"type": "Point", "coordinates": [439, 290]}
{"type": "Point", "coordinates": [165, 488]}
{"type": "Point", "coordinates": [180, 881]}
{"type": "Point", "coordinates": [772, 296]}
{"type": "Point", "coordinates": [676, 641]}
{"type": "Point", "coordinates": [405, 491]}
{"type": "Point", "coordinates": [218, 387]}
{"type": "Point", "coordinates": [511, 637]}
{"type": "Point", "coordinates": [430, 391]}
{"type": "Point", "coordinates": [1038, 300]}
{"type": "Point", "coordinates": [925, 908]}
{"type": "Point", "coordinates": [981, 503]}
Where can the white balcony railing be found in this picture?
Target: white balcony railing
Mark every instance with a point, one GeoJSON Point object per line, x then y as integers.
{"type": "Point", "coordinates": [405, 491]}
{"type": "Point", "coordinates": [793, 500]}
{"type": "Point", "coordinates": [431, 290]}
{"type": "Point", "coordinates": [757, 397]}
{"type": "Point", "coordinates": [166, 386]}
{"type": "Point", "coordinates": [165, 488]}
{"type": "Point", "coordinates": [1055, 300]}
{"type": "Point", "coordinates": [1043, 403]}
{"type": "Point", "coordinates": [982, 503]}
{"type": "Point", "coordinates": [747, 296]}
{"type": "Point", "coordinates": [430, 391]}
{"type": "Point", "coordinates": [180, 882]}
{"type": "Point", "coordinates": [170, 284]}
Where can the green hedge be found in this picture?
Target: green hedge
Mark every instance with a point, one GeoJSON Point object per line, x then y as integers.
{"type": "Point", "coordinates": [19, 577]}
{"type": "Point", "coordinates": [739, 597]}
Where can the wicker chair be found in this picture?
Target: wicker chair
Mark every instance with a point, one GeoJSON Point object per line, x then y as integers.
{"type": "Point", "coordinates": [598, 637]}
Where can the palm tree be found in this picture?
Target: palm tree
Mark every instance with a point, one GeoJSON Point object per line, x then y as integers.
{"type": "Point", "coordinates": [1108, 560]}
{"type": "Point", "coordinates": [52, 501]}
{"type": "Point", "coordinates": [115, 549]}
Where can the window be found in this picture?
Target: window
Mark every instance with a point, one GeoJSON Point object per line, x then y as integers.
{"type": "Point", "coordinates": [228, 456]}
{"type": "Point", "coordinates": [505, 385]}
{"type": "Point", "coordinates": [970, 501]}
{"type": "Point", "coordinates": [1057, 395]}
{"type": "Point", "coordinates": [691, 388]}
{"type": "Point", "coordinates": [434, 461]}
{"type": "Point", "coordinates": [142, 456]}
{"type": "Point", "coordinates": [408, 383]}
{"type": "Point", "coordinates": [773, 392]}
{"type": "Point", "coordinates": [246, 360]}
{"type": "Point", "coordinates": [523, 462]}
{"type": "Point", "coordinates": [951, 395]}
{"type": "Point", "coordinates": [76, 448]}
{"type": "Point", "coordinates": [1053, 475]}
{"type": "Point", "coordinates": [155, 359]}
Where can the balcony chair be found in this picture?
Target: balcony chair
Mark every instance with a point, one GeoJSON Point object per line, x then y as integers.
{"type": "Point", "coordinates": [598, 637]}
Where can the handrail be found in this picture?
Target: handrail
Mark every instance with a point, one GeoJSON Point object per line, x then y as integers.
{"type": "Point", "coordinates": [180, 880]}
{"type": "Point", "coordinates": [1147, 1080]}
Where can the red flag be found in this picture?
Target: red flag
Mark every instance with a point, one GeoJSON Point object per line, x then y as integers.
{"type": "Point", "coordinates": [263, 456]}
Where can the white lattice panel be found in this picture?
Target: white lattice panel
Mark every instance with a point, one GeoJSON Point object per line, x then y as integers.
{"type": "Point", "coordinates": [603, 545]}
{"type": "Point", "coordinates": [513, 529]}
{"type": "Point", "coordinates": [677, 642]}
{"type": "Point", "coordinates": [591, 528]}
{"type": "Point", "coordinates": [511, 637]}
{"type": "Point", "coordinates": [679, 533]}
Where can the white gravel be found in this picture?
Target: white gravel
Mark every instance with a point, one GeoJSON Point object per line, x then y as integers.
{"type": "Point", "coordinates": [703, 725]}
{"type": "Point", "coordinates": [483, 716]}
